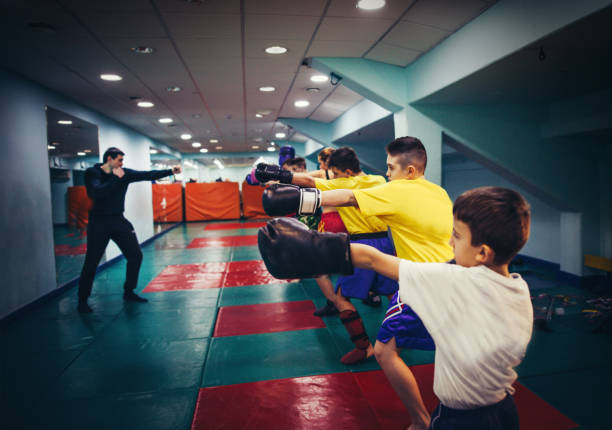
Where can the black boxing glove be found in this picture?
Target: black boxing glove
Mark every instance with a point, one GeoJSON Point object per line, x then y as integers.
{"type": "Point", "coordinates": [270, 172]}
{"type": "Point", "coordinates": [283, 199]}
{"type": "Point", "coordinates": [290, 250]}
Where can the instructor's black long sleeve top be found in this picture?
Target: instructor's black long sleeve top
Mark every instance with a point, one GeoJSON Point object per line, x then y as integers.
{"type": "Point", "coordinates": [108, 190]}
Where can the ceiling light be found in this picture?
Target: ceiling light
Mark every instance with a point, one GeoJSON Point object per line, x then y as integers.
{"type": "Point", "coordinates": [266, 89]}
{"type": "Point", "coordinates": [301, 103]}
{"type": "Point", "coordinates": [255, 146]}
{"type": "Point", "coordinates": [110, 77]}
{"type": "Point", "coordinates": [87, 150]}
{"type": "Point", "coordinates": [196, 144]}
{"type": "Point", "coordinates": [173, 89]}
{"type": "Point", "coordinates": [214, 140]}
{"type": "Point", "coordinates": [276, 50]}
{"type": "Point", "coordinates": [280, 135]}
{"type": "Point", "coordinates": [218, 147]}
{"type": "Point", "coordinates": [204, 150]}
{"type": "Point", "coordinates": [258, 139]}
{"type": "Point", "coordinates": [81, 153]}
{"type": "Point", "coordinates": [185, 136]}
{"type": "Point", "coordinates": [258, 115]}
{"type": "Point", "coordinates": [271, 148]}
{"type": "Point", "coordinates": [218, 163]}
{"type": "Point", "coordinates": [312, 90]}
{"type": "Point", "coordinates": [153, 151]}
{"type": "Point", "coordinates": [165, 120]}
{"type": "Point", "coordinates": [196, 115]}
{"type": "Point", "coordinates": [142, 50]}
{"type": "Point", "coordinates": [319, 78]}
{"type": "Point", "coordinates": [370, 4]}
{"type": "Point", "coordinates": [64, 122]}
{"type": "Point", "coordinates": [145, 104]}
{"type": "Point", "coordinates": [50, 147]}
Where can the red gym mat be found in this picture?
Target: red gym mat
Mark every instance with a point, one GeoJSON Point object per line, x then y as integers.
{"type": "Point", "coordinates": [234, 225]}
{"type": "Point", "coordinates": [207, 242]}
{"type": "Point", "coordinates": [360, 400]}
{"type": "Point", "coordinates": [266, 318]}
{"type": "Point", "coordinates": [70, 250]}
{"type": "Point", "coordinates": [211, 275]}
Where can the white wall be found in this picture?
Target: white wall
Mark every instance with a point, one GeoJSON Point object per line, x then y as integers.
{"type": "Point", "coordinates": [461, 174]}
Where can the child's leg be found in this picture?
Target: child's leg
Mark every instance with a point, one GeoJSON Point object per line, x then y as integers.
{"type": "Point", "coordinates": [356, 330]}
{"type": "Point", "coordinates": [402, 380]}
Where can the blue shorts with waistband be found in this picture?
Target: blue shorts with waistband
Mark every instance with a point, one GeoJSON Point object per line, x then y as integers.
{"type": "Point", "coordinates": [362, 281]}
{"type": "Point", "coordinates": [499, 416]}
{"type": "Point", "coordinates": [403, 324]}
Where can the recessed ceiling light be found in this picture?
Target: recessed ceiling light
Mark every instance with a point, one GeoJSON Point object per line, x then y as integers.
{"type": "Point", "coordinates": [258, 115]}
{"type": "Point", "coordinates": [153, 151]}
{"type": "Point", "coordinates": [142, 50]}
{"type": "Point", "coordinates": [276, 50]}
{"type": "Point", "coordinates": [301, 103]}
{"type": "Point", "coordinates": [165, 120]}
{"type": "Point", "coordinates": [185, 136]}
{"type": "Point", "coordinates": [266, 89]}
{"type": "Point", "coordinates": [312, 90]}
{"type": "Point", "coordinates": [214, 140]}
{"type": "Point", "coordinates": [259, 139]}
{"type": "Point", "coordinates": [280, 135]}
{"type": "Point", "coordinates": [319, 78]}
{"type": "Point", "coordinates": [173, 89]}
{"type": "Point", "coordinates": [145, 104]}
{"type": "Point", "coordinates": [81, 154]}
{"type": "Point", "coordinates": [196, 144]}
{"type": "Point", "coordinates": [196, 115]}
{"type": "Point", "coordinates": [204, 150]}
{"type": "Point", "coordinates": [87, 150]}
{"type": "Point", "coordinates": [271, 148]}
{"type": "Point", "coordinates": [255, 146]}
{"type": "Point", "coordinates": [218, 147]}
{"type": "Point", "coordinates": [50, 147]}
{"type": "Point", "coordinates": [64, 122]}
{"type": "Point", "coordinates": [370, 4]}
{"type": "Point", "coordinates": [110, 77]}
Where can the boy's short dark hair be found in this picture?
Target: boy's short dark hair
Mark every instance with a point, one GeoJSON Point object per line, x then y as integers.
{"type": "Point", "coordinates": [411, 151]}
{"type": "Point", "coordinates": [325, 153]}
{"type": "Point", "coordinates": [113, 152]}
{"type": "Point", "coordinates": [343, 159]}
{"type": "Point", "coordinates": [498, 217]}
{"type": "Point", "coordinates": [295, 161]}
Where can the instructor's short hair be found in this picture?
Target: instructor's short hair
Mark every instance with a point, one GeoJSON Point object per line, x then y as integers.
{"type": "Point", "coordinates": [410, 151]}
{"type": "Point", "coordinates": [113, 152]}
{"type": "Point", "coordinates": [343, 159]}
{"type": "Point", "coordinates": [498, 217]}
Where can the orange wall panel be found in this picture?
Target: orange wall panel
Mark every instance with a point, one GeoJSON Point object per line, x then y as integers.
{"type": "Point", "coordinates": [167, 202]}
{"type": "Point", "coordinates": [251, 201]}
{"type": "Point", "coordinates": [79, 204]}
{"type": "Point", "coordinates": [217, 200]}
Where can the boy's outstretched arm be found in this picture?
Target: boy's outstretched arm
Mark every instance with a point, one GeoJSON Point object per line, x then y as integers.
{"type": "Point", "coordinates": [368, 257]}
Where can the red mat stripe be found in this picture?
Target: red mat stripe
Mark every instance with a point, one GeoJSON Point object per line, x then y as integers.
{"type": "Point", "coordinates": [360, 400]}
{"type": "Point", "coordinates": [207, 242]}
{"type": "Point", "coordinates": [234, 225]}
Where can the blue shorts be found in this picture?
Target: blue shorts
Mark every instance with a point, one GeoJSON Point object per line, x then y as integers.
{"type": "Point", "coordinates": [403, 324]}
{"type": "Point", "coordinates": [362, 281]}
{"type": "Point", "coordinates": [499, 416]}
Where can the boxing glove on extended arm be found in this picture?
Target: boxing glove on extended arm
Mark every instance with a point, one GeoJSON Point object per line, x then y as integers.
{"type": "Point", "coordinates": [269, 172]}
{"type": "Point", "coordinates": [282, 199]}
{"type": "Point", "coordinates": [290, 250]}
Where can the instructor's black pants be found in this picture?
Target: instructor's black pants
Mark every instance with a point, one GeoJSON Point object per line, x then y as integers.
{"type": "Point", "coordinates": [100, 230]}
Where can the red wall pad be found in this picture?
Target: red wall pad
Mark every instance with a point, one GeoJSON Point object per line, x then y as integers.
{"type": "Point", "coordinates": [360, 400]}
{"type": "Point", "coordinates": [266, 318]}
{"type": "Point", "coordinates": [233, 225]}
{"type": "Point", "coordinates": [251, 201]}
{"type": "Point", "coordinates": [167, 202]}
{"type": "Point", "coordinates": [210, 242]}
{"type": "Point", "coordinates": [217, 200]}
{"type": "Point", "coordinates": [78, 206]}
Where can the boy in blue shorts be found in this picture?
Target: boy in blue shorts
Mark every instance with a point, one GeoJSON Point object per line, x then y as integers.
{"type": "Point", "coordinates": [478, 314]}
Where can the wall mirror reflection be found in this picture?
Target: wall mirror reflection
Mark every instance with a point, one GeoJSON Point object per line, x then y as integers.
{"type": "Point", "coordinates": [72, 145]}
{"type": "Point", "coordinates": [167, 192]}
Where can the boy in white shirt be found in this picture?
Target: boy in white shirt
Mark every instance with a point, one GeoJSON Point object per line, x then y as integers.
{"type": "Point", "coordinates": [478, 314]}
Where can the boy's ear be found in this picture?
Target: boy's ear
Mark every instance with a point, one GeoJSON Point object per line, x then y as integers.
{"type": "Point", "coordinates": [485, 255]}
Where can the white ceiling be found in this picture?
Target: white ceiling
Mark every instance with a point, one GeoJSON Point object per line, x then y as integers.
{"type": "Point", "coordinates": [214, 51]}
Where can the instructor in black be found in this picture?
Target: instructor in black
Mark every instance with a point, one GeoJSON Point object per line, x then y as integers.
{"type": "Point", "coordinates": [106, 185]}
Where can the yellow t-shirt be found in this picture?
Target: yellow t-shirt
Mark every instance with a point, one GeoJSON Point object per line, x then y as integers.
{"type": "Point", "coordinates": [354, 221]}
{"type": "Point", "coordinates": [419, 214]}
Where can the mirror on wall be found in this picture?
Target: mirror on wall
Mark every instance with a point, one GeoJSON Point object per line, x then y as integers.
{"type": "Point", "coordinates": [167, 192]}
{"type": "Point", "coordinates": [72, 145]}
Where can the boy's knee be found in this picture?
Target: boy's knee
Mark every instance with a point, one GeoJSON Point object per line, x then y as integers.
{"type": "Point", "coordinates": [383, 351]}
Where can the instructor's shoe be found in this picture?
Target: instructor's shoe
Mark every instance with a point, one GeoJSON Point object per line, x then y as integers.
{"type": "Point", "coordinates": [84, 308]}
{"type": "Point", "coordinates": [326, 310]}
{"type": "Point", "coordinates": [130, 296]}
{"type": "Point", "coordinates": [372, 300]}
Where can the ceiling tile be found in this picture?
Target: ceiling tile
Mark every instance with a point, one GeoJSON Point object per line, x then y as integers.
{"type": "Point", "coordinates": [392, 54]}
{"type": "Point", "coordinates": [286, 7]}
{"type": "Point", "coordinates": [347, 8]}
{"type": "Point", "coordinates": [330, 48]}
{"type": "Point", "coordinates": [204, 7]}
{"type": "Point", "coordinates": [446, 14]}
{"type": "Point", "coordinates": [415, 36]}
{"type": "Point", "coordinates": [345, 29]}
{"type": "Point", "coordinates": [182, 25]}
{"type": "Point", "coordinates": [118, 24]}
{"type": "Point", "coordinates": [283, 27]}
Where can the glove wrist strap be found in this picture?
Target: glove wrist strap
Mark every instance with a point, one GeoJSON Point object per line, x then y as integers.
{"type": "Point", "coordinates": [310, 200]}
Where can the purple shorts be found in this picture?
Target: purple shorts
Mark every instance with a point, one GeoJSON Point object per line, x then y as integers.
{"type": "Point", "coordinates": [362, 281]}
{"type": "Point", "coordinates": [403, 324]}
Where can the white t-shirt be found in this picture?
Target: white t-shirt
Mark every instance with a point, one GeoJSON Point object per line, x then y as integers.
{"type": "Point", "coordinates": [481, 323]}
